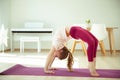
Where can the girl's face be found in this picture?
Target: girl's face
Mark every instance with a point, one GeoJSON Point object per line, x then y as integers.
{"type": "Point", "coordinates": [62, 53]}
{"type": "Point", "coordinates": [58, 53]}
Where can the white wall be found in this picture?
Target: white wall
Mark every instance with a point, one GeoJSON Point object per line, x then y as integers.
{"type": "Point", "coordinates": [65, 12]}
{"type": "Point", "coordinates": [58, 13]}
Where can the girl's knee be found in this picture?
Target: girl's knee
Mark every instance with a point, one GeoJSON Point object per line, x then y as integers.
{"type": "Point", "coordinates": [91, 42]}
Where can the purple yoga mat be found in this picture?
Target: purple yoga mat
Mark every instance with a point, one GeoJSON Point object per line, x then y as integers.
{"type": "Point", "coordinates": [36, 71]}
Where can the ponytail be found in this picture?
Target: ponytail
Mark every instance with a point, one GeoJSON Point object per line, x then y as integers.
{"type": "Point", "coordinates": [70, 61]}
{"type": "Point", "coordinates": [64, 54]}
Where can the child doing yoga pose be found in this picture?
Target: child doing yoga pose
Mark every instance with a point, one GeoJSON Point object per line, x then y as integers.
{"type": "Point", "coordinates": [59, 50]}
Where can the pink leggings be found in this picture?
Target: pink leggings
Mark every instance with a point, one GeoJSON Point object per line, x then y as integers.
{"type": "Point", "coordinates": [77, 32]}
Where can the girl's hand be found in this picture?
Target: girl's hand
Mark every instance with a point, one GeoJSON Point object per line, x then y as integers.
{"type": "Point", "coordinates": [49, 72]}
{"type": "Point", "coordinates": [70, 70]}
{"type": "Point", "coordinates": [52, 68]}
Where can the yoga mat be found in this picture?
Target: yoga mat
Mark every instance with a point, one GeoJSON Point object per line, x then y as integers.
{"type": "Point", "coordinates": [36, 71]}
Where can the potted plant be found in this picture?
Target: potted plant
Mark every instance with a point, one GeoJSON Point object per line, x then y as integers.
{"type": "Point", "coordinates": [88, 23]}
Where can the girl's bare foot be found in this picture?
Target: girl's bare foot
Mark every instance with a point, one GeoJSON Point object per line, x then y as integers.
{"type": "Point", "coordinates": [92, 69]}
{"type": "Point", "coordinates": [94, 74]}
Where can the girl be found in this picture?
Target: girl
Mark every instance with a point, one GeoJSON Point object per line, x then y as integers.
{"type": "Point", "coordinates": [59, 50]}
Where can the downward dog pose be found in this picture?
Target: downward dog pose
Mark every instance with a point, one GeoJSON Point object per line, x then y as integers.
{"type": "Point", "coordinates": [59, 50]}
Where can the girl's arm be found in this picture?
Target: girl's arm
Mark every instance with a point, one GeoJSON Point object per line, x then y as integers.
{"type": "Point", "coordinates": [49, 61]}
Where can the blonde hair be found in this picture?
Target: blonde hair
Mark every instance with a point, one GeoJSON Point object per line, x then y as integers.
{"type": "Point", "coordinates": [64, 54]}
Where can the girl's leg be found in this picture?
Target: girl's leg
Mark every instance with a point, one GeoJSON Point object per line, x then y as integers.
{"type": "Point", "coordinates": [96, 44]}
{"type": "Point", "coordinates": [95, 50]}
{"type": "Point", "coordinates": [90, 40]}
{"type": "Point", "coordinates": [91, 50]}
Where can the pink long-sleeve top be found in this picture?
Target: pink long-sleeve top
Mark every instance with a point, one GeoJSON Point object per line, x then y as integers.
{"type": "Point", "coordinates": [60, 38]}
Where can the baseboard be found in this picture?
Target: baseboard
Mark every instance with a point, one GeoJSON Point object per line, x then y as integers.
{"type": "Point", "coordinates": [17, 49]}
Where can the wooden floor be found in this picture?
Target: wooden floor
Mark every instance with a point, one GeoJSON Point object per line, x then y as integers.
{"type": "Point", "coordinates": [32, 58]}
